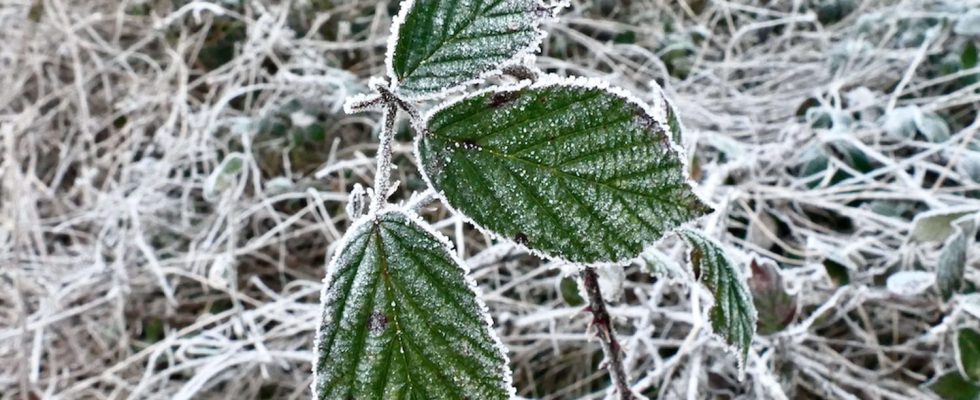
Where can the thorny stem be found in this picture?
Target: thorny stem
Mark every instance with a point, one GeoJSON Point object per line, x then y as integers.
{"type": "Point", "coordinates": [391, 103]}
{"type": "Point", "coordinates": [607, 337]}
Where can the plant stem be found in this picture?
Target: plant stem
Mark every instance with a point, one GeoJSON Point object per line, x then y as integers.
{"type": "Point", "coordinates": [607, 337]}
{"type": "Point", "coordinates": [382, 175]}
{"type": "Point", "coordinates": [413, 113]}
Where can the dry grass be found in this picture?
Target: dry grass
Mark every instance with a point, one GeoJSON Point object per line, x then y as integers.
{"type": "Point", "coordinates": [119, 279]}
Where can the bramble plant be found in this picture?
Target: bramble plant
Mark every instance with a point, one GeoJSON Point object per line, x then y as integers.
{"type": "Point", "coordinates": [569, 169]}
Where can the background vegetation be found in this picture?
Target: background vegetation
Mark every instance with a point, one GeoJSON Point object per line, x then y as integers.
{"type": "Point", "coordinates": [173, 176]}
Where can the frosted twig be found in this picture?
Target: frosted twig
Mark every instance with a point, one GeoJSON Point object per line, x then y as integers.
{"type": "Point", "coordinates": [602, 323]}
{"type": "Point", "coordinates": [382, 176]}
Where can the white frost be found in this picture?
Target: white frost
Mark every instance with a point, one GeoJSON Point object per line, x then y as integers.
{"type": "Point", "coordinates": [910, 283]}
{"type": "Point", "coordinates": [968, 24]}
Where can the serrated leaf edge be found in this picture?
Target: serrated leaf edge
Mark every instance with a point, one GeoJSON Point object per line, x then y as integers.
{"type": "Point", "coordinates": [576, 82]}
{"type": "Point", "coordinates": [410, 215]}
{"type": "Point", "coordinates": [519, 58]}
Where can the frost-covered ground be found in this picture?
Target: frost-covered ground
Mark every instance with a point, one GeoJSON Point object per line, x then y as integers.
{"type": "Point", "coordinates": [130, 268]}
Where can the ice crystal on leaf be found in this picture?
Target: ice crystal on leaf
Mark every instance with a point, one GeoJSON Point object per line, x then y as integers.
{"type": "Point", "coordinates": [401, 320]}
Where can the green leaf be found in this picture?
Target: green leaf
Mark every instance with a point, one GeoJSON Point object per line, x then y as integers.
{"type": "Point", "coordinates": [401, 320]}
{"type": "Point", "coordinates": [441, 44]}
{"type": "Point", "coordinates": [837, 272]}
{"type": "Point", "coordinates": [969, 57]}
{"type": "Point", "coordinates": [952, 258]}
{"type": "Point", "coordinates": [573, 170]}
{"type": "Point", "coordinates": [659, 265]}
{"type": "Point", "coordinates": [568, 287]}
{"type": "Point", "coordinates": [223, 176]}
{"type": "Point", "coordinates": [776, 308]}
{"type": "Point", "coordinates": [952, 386]}
{"type": "Point", "coordinates": [932, 126]}
{"type": "Point", "coordinates": [674, 124]}
{"type": "Point", "coordinates": [968, 353]}
{"type": "Point", "coordinates": [936, 225]}
{"type": "Point", "coordinates": [733, 315]}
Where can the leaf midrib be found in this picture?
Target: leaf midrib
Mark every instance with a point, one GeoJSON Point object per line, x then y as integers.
{"type": "Point", "coordinates": [386, 277]}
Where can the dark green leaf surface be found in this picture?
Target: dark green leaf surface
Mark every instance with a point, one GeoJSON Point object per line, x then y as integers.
{"type": "Point", "coordinates": [569, 169]}
{"type": "Point", "coordinates": [733, 315]}
{"type": "Point", "coordinates": [400, 321]}
{"type": "Point", "coordinates": [952, 386]}
{"type": "Point", "coordinates": [446, 43]}
{"type": "Point", "coordinates": [568, 288]}
{"type": "Point", "coordinates": [968, 342]}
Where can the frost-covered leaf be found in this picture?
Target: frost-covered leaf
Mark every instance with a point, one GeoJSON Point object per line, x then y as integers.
{"type": "Point", "coordinates": [968, 353]}
{"type": "Point", "coordinates": [953, 386]}
{"type": "Point", "coordinates": [776, 308]}
{"type": "Point", "coordinates": [401, 320]}
{"type": "Point", "coordinates": [933, 127]}
{"type": "Point", "coordinates": [569, 290]}
{"type": "Point", "coordinates": [899, 123]}
{"type": "Point", "coordinates": [904, 122]}
{"type": "Point", "coordinates": [968, 24]}
{"type": "Point", "coordinates": [910, 283]}
{"type": "Point", "coordinates": [223, 176]}
{"type": "Point", "coordinates": [733, 314]}
{"type": "Point", "coordinates": [951, 262]}
{"type": "Point", "coordinates": [971, 304]}
{"type": "Point", "coordinates": [952, 258]}
{"type": "Point", "coordinates": [573, 170]}
{"type": "Point", "coordinates": [440, 44]}
{"type": "Point", "coordinates": [278, 185]}
{"type": "Point", "coordinates": [658, 264]}
{"type": "Point", "coordinates": [969, 164]}
{"type": "Point", "coordinates": [674, 125]}
{"type": "Point", "coordinates": [936, 225]}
